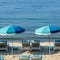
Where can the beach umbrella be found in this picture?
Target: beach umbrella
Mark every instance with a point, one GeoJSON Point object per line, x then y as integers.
{"type": "Point", "coordinates": [47, 30]}
{"type": "Point", "coordinates": [11, 30]}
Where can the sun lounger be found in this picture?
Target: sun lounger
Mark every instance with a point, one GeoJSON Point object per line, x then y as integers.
{"type": "Point", "coordinates": [1, 58]}
{"type": "Point", "coordinates": [35, 44]}
{"type": "Point", "coordinates": [26, 45]}
{"type": "Point", "coordinates": [24, 57]}
{"type": "Point", "coordinates": [36, 57]}
{"type": "Point", "coordinates": [57, 45]}
{"type": "Point", "coordinates": [15, 47]}
{"type": "Point", "coordinates": [3, 45]}
{"type": "Point", "coordinates": [51, 47]}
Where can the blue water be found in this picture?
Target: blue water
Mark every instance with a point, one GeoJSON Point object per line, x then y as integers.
{"type": "Point", "coordinates": [29, 14]}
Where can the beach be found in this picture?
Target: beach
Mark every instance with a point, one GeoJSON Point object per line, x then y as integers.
{"type": "Point", "coordinates": [16, 53]}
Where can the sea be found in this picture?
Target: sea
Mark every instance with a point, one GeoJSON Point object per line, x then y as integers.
{"type": "Point", "coordinates": [29, 14]}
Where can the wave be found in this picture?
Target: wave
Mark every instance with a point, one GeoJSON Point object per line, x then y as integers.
{"type": "Point", "coordinates": [22, 18]}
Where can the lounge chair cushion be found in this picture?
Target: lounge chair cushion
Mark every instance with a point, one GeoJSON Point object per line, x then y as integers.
{"type": "Point", "coordinates": [50, 47]}
{"type": "Point", "coordinates": [15, 47]}
{"type": "Point", "coordinates": [26, 41]}
{"type": "Point", "coordinates": [24, 57]}
{"type": "Point", "coordinates": [36, 57]}
{"type": "Point", "coordinates": [35, 41]}
{"type": "Point", "coordinates": [1, 58]}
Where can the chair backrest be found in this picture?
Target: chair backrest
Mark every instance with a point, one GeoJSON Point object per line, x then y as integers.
{"type": "Point", "coordinates": [35, 44]}
{"type": "Point", "coordinates": [26, 44]}
{"type": "Point", "coordinates": [3, 44]}
{"type": "Point", "coordinates": [57, 44]}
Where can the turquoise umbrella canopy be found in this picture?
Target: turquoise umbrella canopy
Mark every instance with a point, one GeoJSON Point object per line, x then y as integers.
{"type": "Point", "coordinates": [11, 29]}
{"type": "Point", "coordinates": [47, 30]}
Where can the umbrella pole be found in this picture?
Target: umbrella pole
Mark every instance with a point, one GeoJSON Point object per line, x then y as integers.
{"type": "Point", "coordinates": [12, 48]}
{"type": "Point", "coordinates": [49, 43]}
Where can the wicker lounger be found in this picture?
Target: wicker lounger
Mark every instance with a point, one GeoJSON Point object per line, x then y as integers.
{"type": "Point", "coordinates": [3, 45]}
{"type": "Point", "coordinates": [35, 45]}
{"type": "Point", "coordinates": [26, 45]}
{"type": "Point", "coordinates": [57, 45]}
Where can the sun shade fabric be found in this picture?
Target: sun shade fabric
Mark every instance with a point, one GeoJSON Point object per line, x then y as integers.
{"type": "Point", "coordinates": [11, 30]}
{"type": "Point", "coordinates": [47, 30]}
